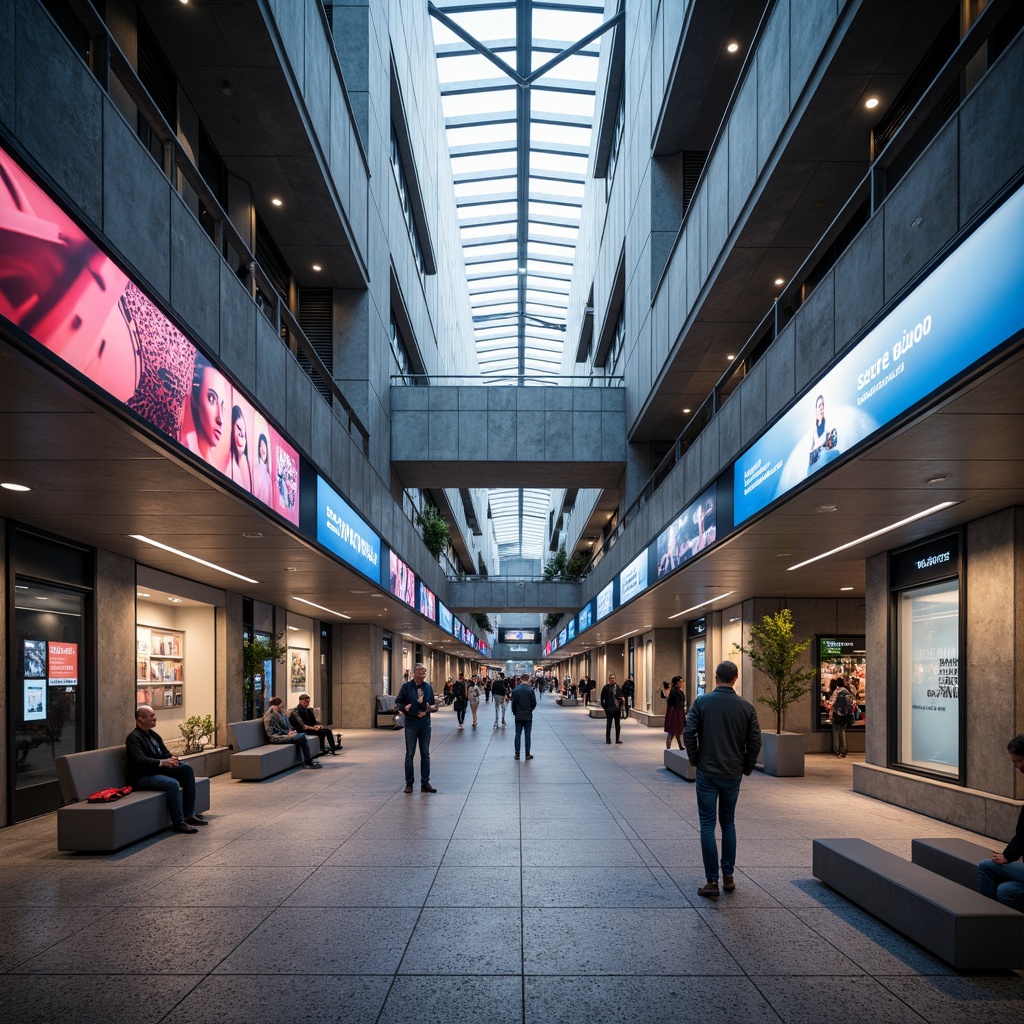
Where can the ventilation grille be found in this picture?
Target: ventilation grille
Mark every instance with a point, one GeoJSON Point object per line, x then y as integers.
{"type": "Point", "coordinates": [315, 316]}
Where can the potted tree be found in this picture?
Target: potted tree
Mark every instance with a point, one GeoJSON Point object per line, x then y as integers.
{"type": "Point", "coordinates": [256, 652]}
{"type": "Point", "coordinates": [773, 652]}
{"type": "Point", "coordinates": [435, 529]}
{"type": "Point", "coordinates": [195, 731]}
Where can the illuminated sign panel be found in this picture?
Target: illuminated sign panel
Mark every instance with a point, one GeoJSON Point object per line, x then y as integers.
{"type": "Point", "coordinates": [344, 533]}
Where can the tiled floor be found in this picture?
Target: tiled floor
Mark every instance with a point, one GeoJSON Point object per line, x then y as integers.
{"type": "Point", "coordinates": [560, 889]}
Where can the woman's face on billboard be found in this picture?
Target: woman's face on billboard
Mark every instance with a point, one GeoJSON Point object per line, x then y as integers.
{"type": "Point", "coordinates": [239, 435]}
{"type": "Point", "coordinates": [209, 413]}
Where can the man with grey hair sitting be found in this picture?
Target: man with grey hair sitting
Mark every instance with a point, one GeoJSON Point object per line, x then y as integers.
{"type": "Point", "coordinates": [279, 731]}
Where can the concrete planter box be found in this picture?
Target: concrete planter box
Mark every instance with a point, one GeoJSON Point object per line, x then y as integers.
{"type": "Point", "coordinates": [783, 753]}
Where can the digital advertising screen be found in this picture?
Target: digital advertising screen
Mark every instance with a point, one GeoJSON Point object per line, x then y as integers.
{"type": "Point", "coordinates": [444, 618]}
{"type": "Point", "coordinates": [428, 602]}
{"type": "Point", "coordinates": [403, 581]}
{"type": "Point", "coordinates": [570, 630]}
{"type": "Point", "coordinates": [689, 534]}
{"type": "Point", "coordinates": [561, 638]}
{"type": "Point", "coordinates": [586, 617]}
{"type": "Point", "coordinates": [510, 635]}
{"type": "Point", "coordinates": [63, 291]}
{"type": "Point", "coordinates": [966, 307]}
{"type": "Point", "coordinates": [344, 533]}
{"type": "Point", "coordinates": [633, 579]}
{"type": "Point", "coordinates": [605, 602]}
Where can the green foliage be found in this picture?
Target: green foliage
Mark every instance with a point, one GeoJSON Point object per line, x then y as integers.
{"type": "Point", "coordinates": [435, 529]}
{"type": "Point", "coordinates": [482, 620]}
{"type": "Point", "coordinates": [560, 567]}
{"type": "Point", "coordinates": [194, 731]}
{"type": "Point", "coordinates": [773, 651]}
{"type": "Point", "coordinates": [552, 619]}
{"type": "Point", "coordinates": [255, 651]}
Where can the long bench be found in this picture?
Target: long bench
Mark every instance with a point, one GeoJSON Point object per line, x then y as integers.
{"type": "Point", "coordinates": [955, 859]}
{"type": "Point", "coordinates": [677, 761]}
{"type": "Point", "coordinates": [102, 828]}
{"type": "Point", "coordinates": [961, 927]}
{"type": "Point", "coordinates": [256, 758]}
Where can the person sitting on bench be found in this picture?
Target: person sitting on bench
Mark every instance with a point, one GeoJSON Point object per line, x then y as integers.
{"type": "Point", "coordinates": [279, 731]}
{"type": "Point", "coordinates": [1002, 877]}
{"type": "Point", "coordinates": [303, 719]}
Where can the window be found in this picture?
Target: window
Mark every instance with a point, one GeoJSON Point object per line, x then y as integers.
{"type": "Point", "coordinates": [403, 358]}
{"type": "Point", "coordinates": [616, 143]}
{"type": "Point", "coordinates": [405, 198]}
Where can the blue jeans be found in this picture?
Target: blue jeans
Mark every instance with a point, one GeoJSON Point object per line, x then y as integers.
{"type": "Point", "coordinates": [298, 740]}
{"type": "Point", "coordinates": [417, 730]}
{"type": "Point", "coordinates": [181, 799]}
{"type": "Point", "coordinates": [521, 728]}
{"type": "Point", "coordinates": [723, 791]}
{"type": "Point", "coordinates": [1003, 882]}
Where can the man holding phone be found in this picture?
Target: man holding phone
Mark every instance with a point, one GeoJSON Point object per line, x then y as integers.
{"type": "Point", "coordinates": [416, 701]}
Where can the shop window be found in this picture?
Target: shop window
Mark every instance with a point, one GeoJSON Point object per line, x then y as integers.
{"type": "Point", "coordinates": [841, 657]}
{"type": "Point", "coordinates": [928, 667]}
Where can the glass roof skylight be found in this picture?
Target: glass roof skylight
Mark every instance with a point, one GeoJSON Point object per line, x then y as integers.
{"type": "Point", "coordinates": [519, 146]}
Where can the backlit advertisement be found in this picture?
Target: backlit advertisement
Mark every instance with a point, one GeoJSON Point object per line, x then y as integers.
{"type": "Point", "coordinates": [59, 288]}
{"type": "Point", "coordinates": [971, 303]}
{"type": "Point", "coordinates": [561, 639]}
{"type": "Point", "coordinates": [570, 630]}
{"type": "Point", "coordinates": [444, 617]}
{"type": "Point", "coordinates": [585, 617]}
{"type": "Point", "coordinates": [693, 530]}
{"type": "Point", "coordinates": [633, 579]}
{"type": "Point", "coordinates": [605, 601]}
{"type": "Point", "coordinates": [403, 581]}
{"type": "Point", "coordinates": [344, 534]}
{"type": "Point", "coordinates": [428, 602]}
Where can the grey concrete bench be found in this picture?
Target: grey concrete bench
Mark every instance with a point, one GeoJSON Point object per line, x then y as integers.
{"type": "Point", "coordinates": [256, 757]}
{"type": "Point", "coordinates": [596, 712]}
{"type": "Point", "coordinates": [677, 761]}
{"type": "Point", "coordinates": [103, 828]}
{"type": "Point", "coordinates": [568, 702]}
{"type": "Point", "coordinates": [963, 928]}
{"type": "Point", "coordinates": [955, 859]}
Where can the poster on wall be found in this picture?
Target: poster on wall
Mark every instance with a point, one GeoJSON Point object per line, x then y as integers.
{"type": "Point", "coordinates": [428, 602]}
{"type": "Point", "coordinates": [35, 659]}
{"type": "Point", "coordinates": [62, 664]}
{"type": "Point", "coordinates": [689, 534]}
{"type": "Point", "coordinates": [35, 700]}
{"type": "Point", "coordinates": [58, 287]}
{"type": "Point", "coordinates": [964, 309]}
{"type": "Point", "coordinates": [298, 667]}
{"type": "Point", "coordinates": [403, 581]}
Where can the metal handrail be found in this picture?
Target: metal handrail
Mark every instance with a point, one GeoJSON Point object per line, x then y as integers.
{"type": "Point", "coordinates": [555, 380]}
{"type": "Point", "coordinates": [176, 161]}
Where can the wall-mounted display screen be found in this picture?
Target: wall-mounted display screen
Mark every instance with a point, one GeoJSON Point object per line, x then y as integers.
{"type": "Point", "coordinates": [68, 295]}
{"type": "Point", "coordinates": [508, 635]}
{"type": "Point", "coordinates": [403, 581]}
{"type": "Point", "coordinates": [605, 601]}
{"type": "Point", "coordinates": [570, 630]}
{"type": "Point", "coordinates": [633, 579]}
{"type": "Point", "coordinates": [428, 602]}
{"type": "Point", "coordinates": [444, 618]}
{"type": "Point", "coordinates": [585, 617]}
{"type": "Point", "coordinates": [966, 307]}
{"type": "Point", "coordinates": [561, 638]}
{"type": "Point", "coordinates": [692, 531]}
{"type": "Point", "coordinates": [344, 534]}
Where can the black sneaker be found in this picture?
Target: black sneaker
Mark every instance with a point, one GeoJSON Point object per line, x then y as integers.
{"type": "Point", "coordinates": [529, 757]}
{"type": "Point", "coordinates": [427, 788]}
{"type": "Point", "coordinates": [184, 828]}
{"type": "Point", "coordinates": [312, 764]}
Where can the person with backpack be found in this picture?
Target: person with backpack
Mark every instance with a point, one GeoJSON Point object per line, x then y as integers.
{"type": "Point", "coordinates": [842, 708]}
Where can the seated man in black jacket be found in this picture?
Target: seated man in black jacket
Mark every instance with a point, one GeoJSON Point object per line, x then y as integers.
{"type": "Point", "coordinates": [1002, 877]}
{"type": "Point", "coordinates": [152, 766]}
{"type": "Point", "coordinates": [302, 719]}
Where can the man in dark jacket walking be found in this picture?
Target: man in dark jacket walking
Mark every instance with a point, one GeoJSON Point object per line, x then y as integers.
{"type": "Point", "coordinates": [722, 740]}
{"type": "Point", "coordinates": [524, 700]}
{"type": "Point", "coordinates": [611, 701]}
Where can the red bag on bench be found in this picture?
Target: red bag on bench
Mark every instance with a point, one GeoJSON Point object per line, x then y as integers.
{"type": "Point", "coordinates": [104, 796]}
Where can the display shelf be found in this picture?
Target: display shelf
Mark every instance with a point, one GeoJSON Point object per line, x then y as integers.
{"type": "Point", "coordinates": [160, 667]}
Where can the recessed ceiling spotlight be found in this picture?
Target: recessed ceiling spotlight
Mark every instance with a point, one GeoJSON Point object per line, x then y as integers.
{"type": "Point", "coordinates": [317, 267]}
{"type": "Point", "coordinates": [252, 534]}
{"type": "Point", "coordinates": [938, 479]}
{"type": "Point", "coordinates": [730, 358]}
{"type": "Point", "coordinates": [142, 593]}
{"type": "Point", "coordinates": [686, 410]}
{"type": "Point", "coordinates": [174, 600]}
{"type": "Point", "coordinates": [7, 486]}
{"type": "Point", "coordinates": [779, 282]}
{"type": "Point", "coordinates": [871, 102]}
{"type": "Point", "coordinates": [294, 629]}
{"type": "Point", "coordinates": [290, 568]}
{"type": "Point", "coordinates": [39, 597]}
{"type": "Point", "coordinates": [733, 47]}
{"type": "Point", "coordinates": [827, 508]}
{"type": "Point", "coordinates": [276, 202]}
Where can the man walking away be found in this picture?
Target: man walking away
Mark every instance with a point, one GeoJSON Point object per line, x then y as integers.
{"type": "Point", "coordinates": [524, 700]}
{"type": "Point", "coordinates": [722, 740]}
{"type": "Point", "coordinates": [611, 701]}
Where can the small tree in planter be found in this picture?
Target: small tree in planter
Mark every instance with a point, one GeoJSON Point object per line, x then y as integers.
{"type": "Point", "coordinates": [435, 529]}
{"type": "Point", "coordinates": [194, 731]}
{"type": "Point", "coordinates": [773, 651]}
{"type": "Point", "coordinates": [256, 651]}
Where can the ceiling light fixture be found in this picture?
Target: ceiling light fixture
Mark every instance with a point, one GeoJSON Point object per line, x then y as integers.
{"type": "Point", "coordinates": [191, 558]}
{"type": "Point", "coordinates": [142, 593]}
{"type": "Point", "coordinates": [686, 410]}
{"type": "Point", "coordinates": [780, 281]}
{"type": "Point", "coordinates": [317, 267]}
{"type": "Point", "coordinates": [276, 202]}
{"type": "Point", "coordinates": [174, 600]}
{"type": "Point", "coordinates": [730, 358]}
{"type": "Point", "coordinates": [846, 588]}
{"type": "Point", "coordinates": [877, 533]}
{"type": "Point", "coordinates": [624, 635]}
{"type": "Point", "coordinates": [253, 534]}
{"type": "Point", "coordinates": [871, 102]}
{"type": "Point", "coordinates": [293, 629]}
{"type": "Point", "coordinates": [14, 487]}
{"type": "Point", "coordinates": [311, 604]}
{"type": "Point", "coordinates": [733, 47]}
{"type": "Point", "coordinates": [710, 600]}
{"type": "Point", "coordinates": [938, 479]}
